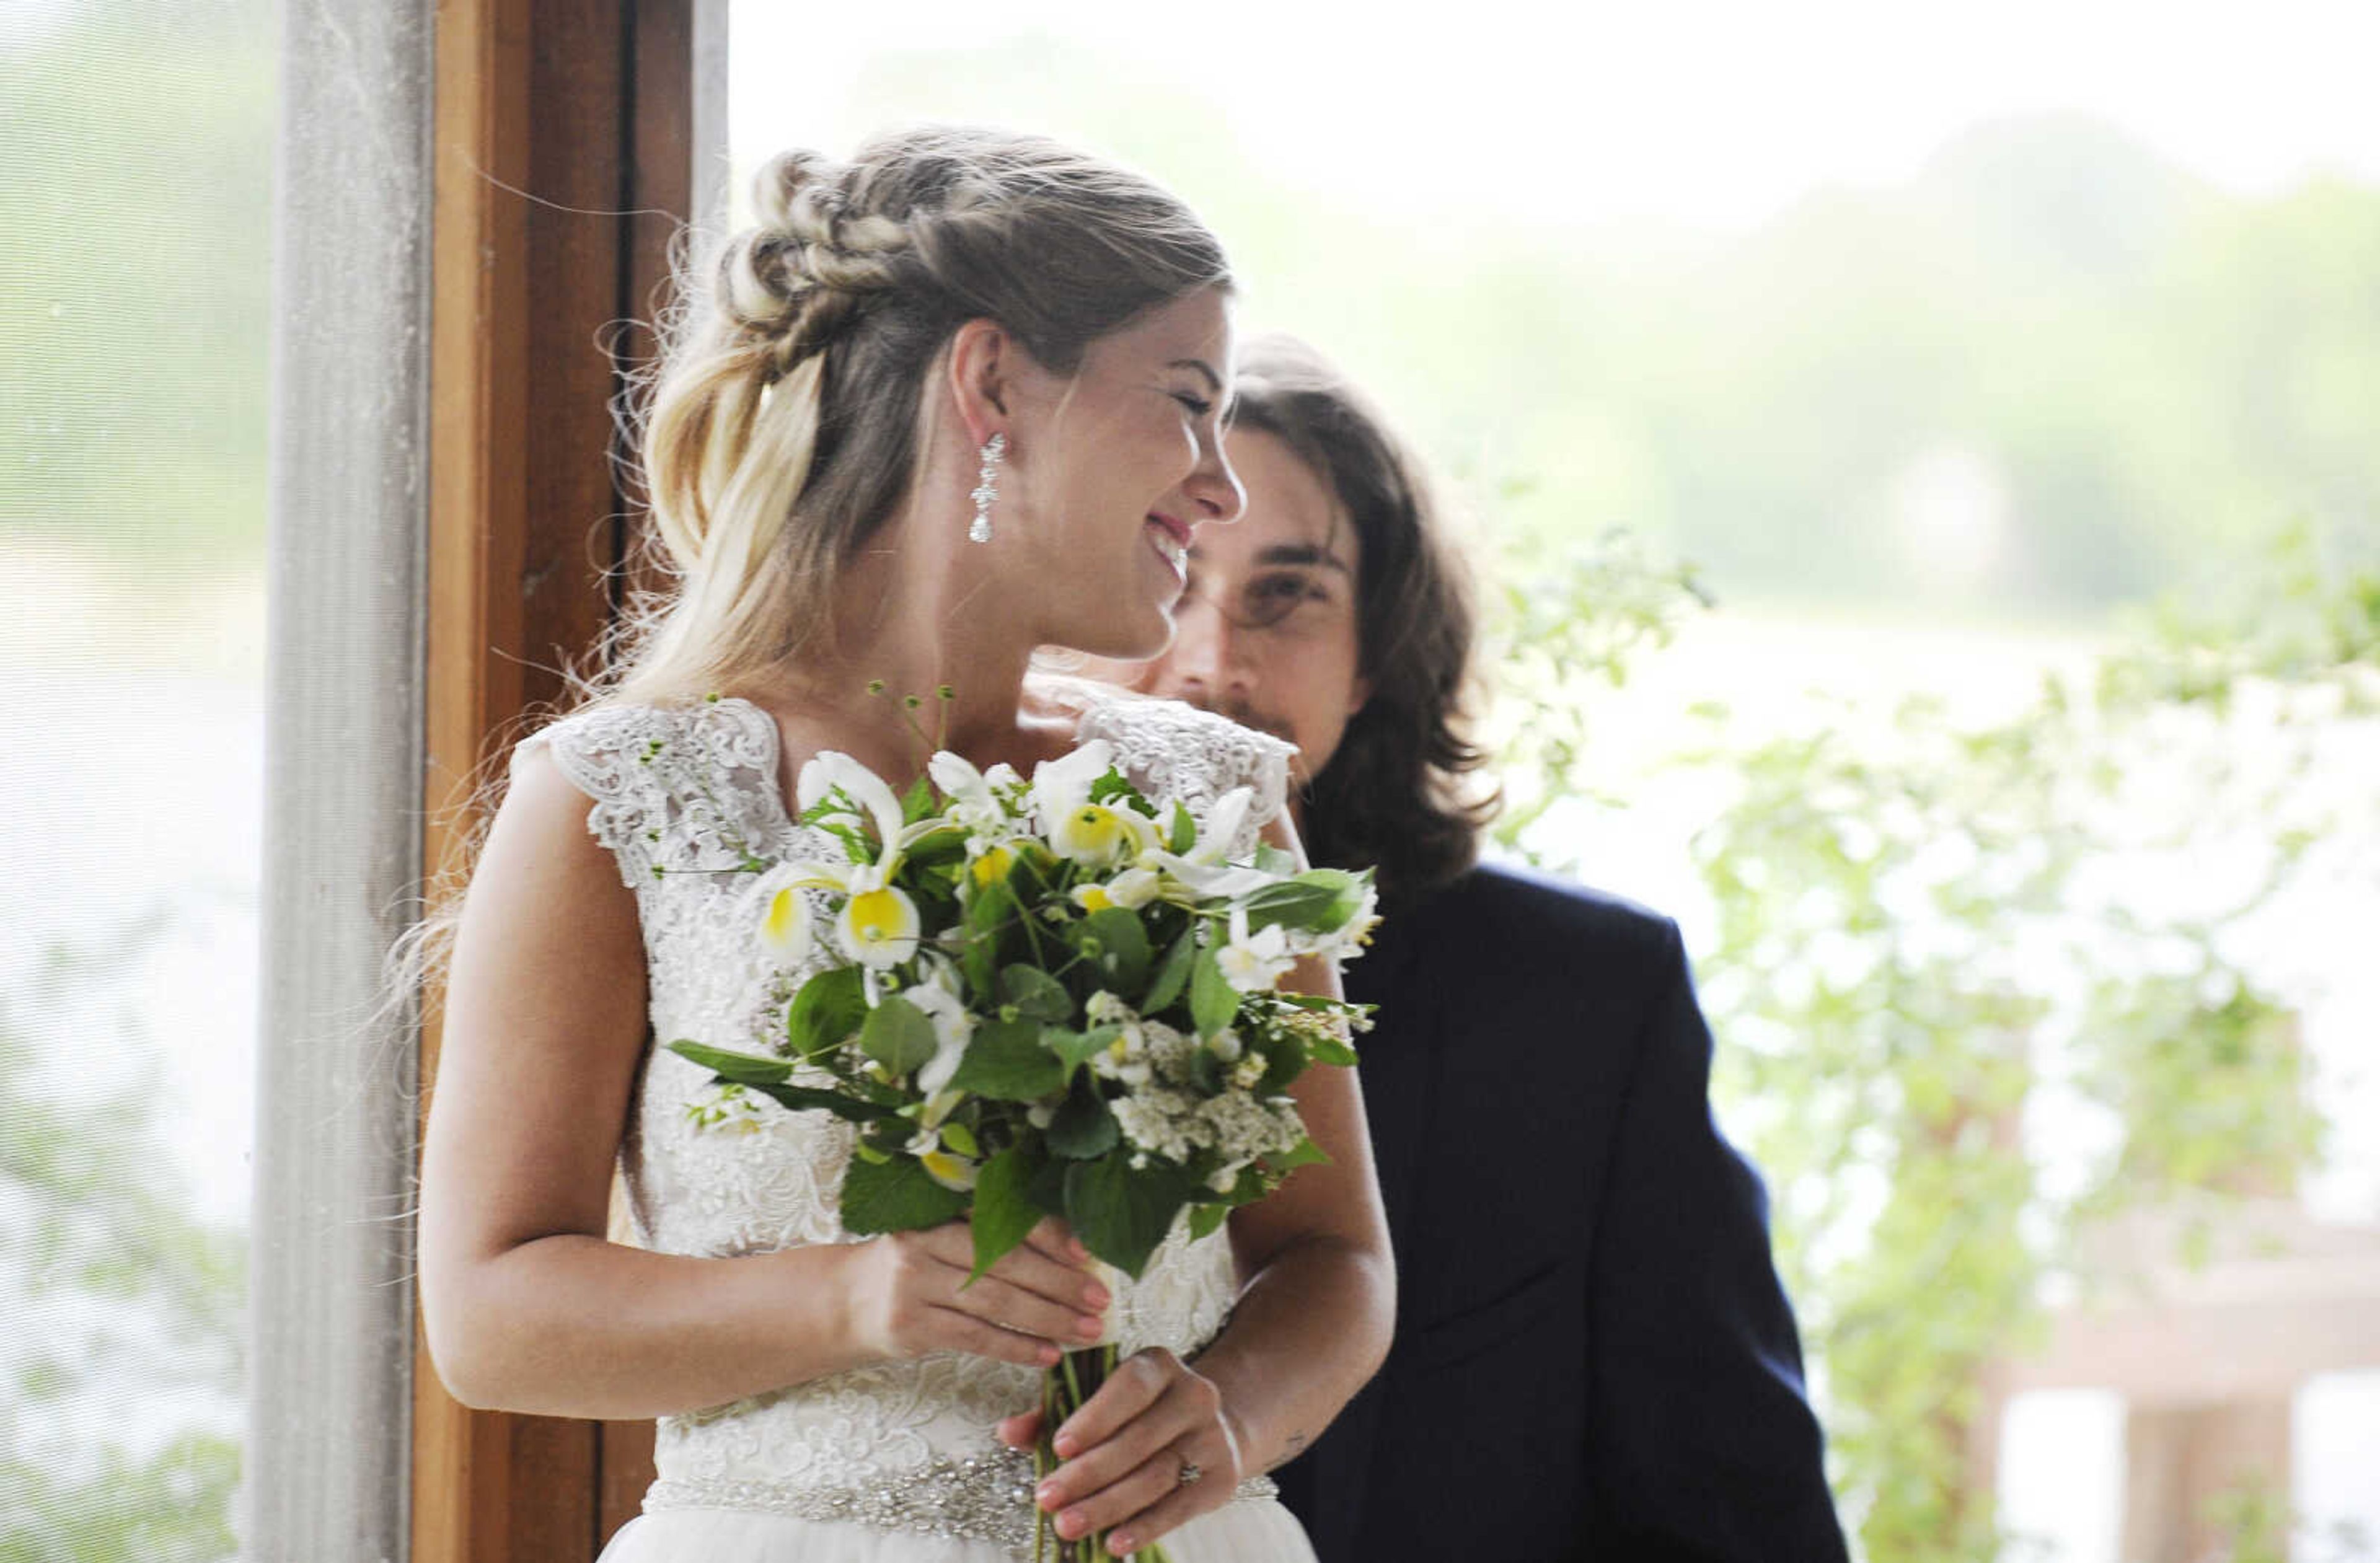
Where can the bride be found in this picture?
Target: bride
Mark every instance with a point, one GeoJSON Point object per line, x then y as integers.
{"type": "Point", "coordinates": [957, 399]}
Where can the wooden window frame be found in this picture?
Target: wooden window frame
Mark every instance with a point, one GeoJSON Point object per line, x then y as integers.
{"type": "Point", "coordinates": [571, 140]}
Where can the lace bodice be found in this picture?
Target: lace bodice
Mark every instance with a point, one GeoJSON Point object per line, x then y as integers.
{"type": "Point", "coordinates": [689, 801]}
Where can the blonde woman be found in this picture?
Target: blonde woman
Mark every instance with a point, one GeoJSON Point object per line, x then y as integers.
{"type": "Point", "coordinates": [954, 400]}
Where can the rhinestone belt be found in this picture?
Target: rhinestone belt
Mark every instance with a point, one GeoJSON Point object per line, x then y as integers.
{"type": "Point", "coordinates": [988, 1499]}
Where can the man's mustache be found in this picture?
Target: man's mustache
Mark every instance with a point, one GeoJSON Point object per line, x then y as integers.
{"type": "Point", "coordinates": [1245, 714]}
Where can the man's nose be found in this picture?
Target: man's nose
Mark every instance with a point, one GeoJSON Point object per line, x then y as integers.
{"type": "Point", "coordinates": [1206, 657]}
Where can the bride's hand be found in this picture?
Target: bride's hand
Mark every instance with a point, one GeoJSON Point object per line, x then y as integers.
{"type": "Point", "coordinates": [910, 1298]}
{"type": "Point", "coordinates": [1128, 1450]}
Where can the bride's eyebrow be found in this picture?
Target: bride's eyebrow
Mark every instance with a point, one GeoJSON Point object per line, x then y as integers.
{"type": "Point", "coordinates": [1214, 381]}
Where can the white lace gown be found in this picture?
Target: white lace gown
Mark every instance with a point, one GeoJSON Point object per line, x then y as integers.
{"type": "Point", "coordinates": [897, 1462]}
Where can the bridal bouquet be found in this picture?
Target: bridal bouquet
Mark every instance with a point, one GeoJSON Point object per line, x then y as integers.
{"type": "Point", "coordinates": [1045, 998]}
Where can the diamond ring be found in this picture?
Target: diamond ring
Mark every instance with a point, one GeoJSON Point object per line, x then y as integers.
{"type": "Point", "coordinates": [1190, 1473]}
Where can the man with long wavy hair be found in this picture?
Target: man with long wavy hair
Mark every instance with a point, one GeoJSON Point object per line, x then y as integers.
{"type": "Point", "coordinates": [1594, 1356]}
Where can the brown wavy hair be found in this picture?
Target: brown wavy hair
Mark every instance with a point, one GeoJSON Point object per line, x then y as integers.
{"type": "Point", "coordinates": [1405, 792]}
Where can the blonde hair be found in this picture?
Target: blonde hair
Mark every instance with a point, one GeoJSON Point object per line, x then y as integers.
{"type": "Point", "coordinates": [781, 430]}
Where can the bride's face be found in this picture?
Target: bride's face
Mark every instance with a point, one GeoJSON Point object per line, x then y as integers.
{"type": "Point", "coordinates": [1116, 468]}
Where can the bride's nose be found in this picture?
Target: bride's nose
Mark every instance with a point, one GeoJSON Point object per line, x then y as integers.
{"type": "Point", "coordinates": [1213, 488]}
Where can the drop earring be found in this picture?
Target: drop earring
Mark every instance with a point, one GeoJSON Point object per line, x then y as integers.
{"type": "Point", "coordinates": [986, 488]}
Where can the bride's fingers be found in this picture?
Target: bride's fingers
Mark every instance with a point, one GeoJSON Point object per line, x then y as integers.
{"type": "Point", "coordinates": [1135, 1386]}
{"type": "Point", "coordinates": [1057, 1240]}
{"type": "Point", "coordinates": [1037, 1272]}
{"type": "Point", "coordinates": [1022, 1430]}
{"type": "Point", "coordinates": [1175, 1504]}
{"type": "Point", "coordinates": [999, 1301]}
{"type": "Point", "coordinates": [964, 1332]}
{"type": "Point", "coordinates": [1092, 1480]}
{"type": "Point", "coordinates": [1133, 1508]}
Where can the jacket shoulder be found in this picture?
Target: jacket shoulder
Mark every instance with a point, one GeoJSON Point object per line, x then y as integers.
{"type": "Point", "coordinates": [1514, 903]}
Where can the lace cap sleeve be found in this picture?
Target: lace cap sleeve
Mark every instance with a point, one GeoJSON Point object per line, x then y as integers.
{"type": "Point", "coordinates": [675, 790]}
{"type": "Point", "coordinates": [1173, 750]}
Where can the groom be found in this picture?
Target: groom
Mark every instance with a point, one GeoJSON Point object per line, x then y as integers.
{"type": "Point", "coordinates": [1594, 1358]}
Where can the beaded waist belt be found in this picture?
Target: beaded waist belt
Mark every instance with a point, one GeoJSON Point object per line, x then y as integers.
{"type": "Point", "coordinates": [985, 1498]}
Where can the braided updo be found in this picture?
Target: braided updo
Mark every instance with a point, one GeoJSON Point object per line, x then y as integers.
{"type": "Point", "coordinates": [782, 432]}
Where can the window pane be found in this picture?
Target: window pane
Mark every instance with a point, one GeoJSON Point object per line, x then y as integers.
{"type": "Point", "coordinates": [135, 185]}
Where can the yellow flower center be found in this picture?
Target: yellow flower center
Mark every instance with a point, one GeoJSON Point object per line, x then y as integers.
{"type": "Point", "coordinates": [1095, 899]}
{"type": "Point", "coordinates": [993, 865]}
{"type": "Point", "coordinates": [784, 918]}
{"type": "Point", "coordinates": [876, 917]}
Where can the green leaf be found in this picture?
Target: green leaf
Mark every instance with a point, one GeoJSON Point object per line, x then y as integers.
{"type": "Point", "coordinates": [1174, 974]}
{"type": "Point", "coordinates": [1006, 1062]}
{"type": "Point", "coordinates": [920, 803]}
{"type": "Point", "coordinates": [1213, 1001]}
{"type": "Point", "coordinates": [1205, 1218]}
{"type": "Point", "coordinates": [1289, 902]}
{"type": "Point", "coordinates": [1123, 944]}
{"type": "Point", "coordinates": [991, 907]}
{"type": "Point", "coordinates": [1305, 1153]}
{"type": "Point", "coordinates": [1037, 995]}
{"type": "Point", "coordinates": [1108, 789]}
{"type": "Point", "coordinates": [939, 849]}
{"type": "Point", "coordinates": [1272, 860]}
{"type": "Point", "coordinates": [805, 1098]}
{"type": "Point", "coordinates": [896, 1195]}
{"type": "Point", "coordinates": [1005, 1211]}
{"type": "Point", "coordinates": [1317, 901]}
{"type": "Point", "coordinates": [1084, 1128]}
{"type": "Point", "coordinates": [961, 1138]}
{"type": "Point", "coordinates": [1120, 1214]}
{"type": "Point", "coordinates": [1285, 1059]}
{"type": "Point", "coordinates": [1047, 1188]}
{"type": "Point", "coordinates": [1332, 1050]}
{"type": "Point", "coordinates": [898, 1035]}
{"type": "Point", "coordinates": [830, 1007]}
{"type": "Point", "coordinates": [1184, 833]}
{"type": "Point", "coordinates": [743, 1068]}
{"type": "Point", "coordinates": [1076, 1049]}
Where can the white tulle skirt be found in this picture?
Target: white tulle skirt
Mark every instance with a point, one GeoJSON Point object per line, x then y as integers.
{"type": "Point", "coordinates": [1250, 1531]}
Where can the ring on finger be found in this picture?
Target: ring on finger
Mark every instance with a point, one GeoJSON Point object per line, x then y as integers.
{"type": "Point", "coordinates": [1190, 1475]}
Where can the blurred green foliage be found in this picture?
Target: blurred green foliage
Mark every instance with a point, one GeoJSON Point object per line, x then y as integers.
{"type": "Point", "coordinates": [2140, 371]}
{"type": "Point", "coordinates": [122, 1381]}
{"type": "Point", "coordinates": [1927, 930]}
{"type": "Point", "coordinates": [136, 160]}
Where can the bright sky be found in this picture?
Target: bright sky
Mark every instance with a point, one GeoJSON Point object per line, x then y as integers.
{"type": "Point", "coordinates": [1710, 112]}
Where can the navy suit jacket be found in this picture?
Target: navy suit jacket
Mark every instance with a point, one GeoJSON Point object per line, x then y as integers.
{"type": "Point", "coordinates": [1594, 1357]}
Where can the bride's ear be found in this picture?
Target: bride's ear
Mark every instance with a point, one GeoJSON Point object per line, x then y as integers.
{"type": "Point", "coordinates": [983, 367]}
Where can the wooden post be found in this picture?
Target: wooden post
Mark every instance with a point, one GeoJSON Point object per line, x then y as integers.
{"type": "Point", "coordinates": [561, 165]}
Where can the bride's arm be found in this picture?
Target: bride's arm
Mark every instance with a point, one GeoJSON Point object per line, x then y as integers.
{"type": "Point", "coordinates": [526, 1305]}
{"type": "Point", "coordinates": [1311, 1326]}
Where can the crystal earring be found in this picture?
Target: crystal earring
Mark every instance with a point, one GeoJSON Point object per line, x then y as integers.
{"type": "Point", "coordinates": [986, 488]}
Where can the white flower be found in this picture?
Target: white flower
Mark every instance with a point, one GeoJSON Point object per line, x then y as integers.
{"type": "Point", "coordinates": [781, 912]}
{"type": "Point", "coordinates": [1226, 1178]}
{"type": "Point", "coordinates": [1097, 835]}
{"type": "Point", "coordinates": [949, 1168]}
{"type": "Point", "coordinates": [830, 769]}
{"type": "Point", "coordinates": [1225, 1046]}
{"type": "Point", "coordinates": [1252, 962]}
{"type": "Point", "coordinates": [1103, 1008]}
{"type": "Point", "coordinates": [879, 927]}
{"type": "Point", "coordinates": [1222, 827]}
{"type": "Point", "coordinates": [973, 802]}
{"type": "Point", "coordinates": [952, 1028]}
{"type": "Point", "coordinates": [1134, 887]}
